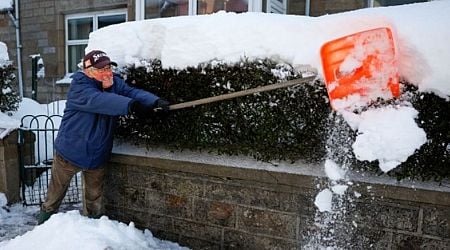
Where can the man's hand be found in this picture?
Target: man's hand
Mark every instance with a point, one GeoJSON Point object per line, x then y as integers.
{"type": "Point", "coordinates": [162, 105]}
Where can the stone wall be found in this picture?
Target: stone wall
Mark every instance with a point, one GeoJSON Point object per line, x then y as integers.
{"type": "Point", "coordinates": [9, 163]}
{"type": "Point", "coordinates": [9, 167]}
{"type": "Point", "coordinates": [208, 206]}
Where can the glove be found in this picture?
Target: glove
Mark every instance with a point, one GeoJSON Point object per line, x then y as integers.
{"type": "Point", "coordinates": [139, 110]}
{"type": "Point", "coordinates": [162, 106]}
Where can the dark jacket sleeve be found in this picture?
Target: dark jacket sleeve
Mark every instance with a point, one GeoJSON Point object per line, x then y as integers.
{"type": "Point", "coordinates": [84, 95]}
{"type": "Point", "coordinates": [144, 97]}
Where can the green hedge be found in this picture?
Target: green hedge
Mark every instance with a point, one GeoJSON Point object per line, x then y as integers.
{"type": "Point", "coordinates": [9, 99]}
{"type": "Point", "coordinates": [290, 124]}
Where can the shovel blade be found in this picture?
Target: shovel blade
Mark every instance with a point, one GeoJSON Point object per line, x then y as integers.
{"type": "Point", "coordinates": [359, 68]}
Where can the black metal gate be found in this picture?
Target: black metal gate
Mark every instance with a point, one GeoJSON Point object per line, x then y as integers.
{"type": "Point", "coordinates": [36, 136]}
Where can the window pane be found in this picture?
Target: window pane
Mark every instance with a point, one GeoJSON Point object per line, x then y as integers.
{"type": "Point", "coordinates": [211, 6]}
{"type": "Point", "coordinates": [75, 54]}
{"type": "Point", "coordinates": [394, 2]}
{"type": "Point", "coordinates": [104, 21]}
{"type": "Point", "coordinates": [166, 8]}
{"type": "Point", "coordinates": [79, 28]}
{"type": "Point", "coordinates": [322, 7]}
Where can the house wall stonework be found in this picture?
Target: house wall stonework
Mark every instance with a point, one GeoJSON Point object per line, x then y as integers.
{"type": "Point", "coordinates": [219, 207]}
{"type": "Point", "coordinates": [42, 32]}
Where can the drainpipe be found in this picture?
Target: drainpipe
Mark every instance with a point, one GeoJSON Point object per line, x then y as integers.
{"type": "Point", "coordinates": [307, 7]}
{"type": "Point", "coordinates": [15, 20]}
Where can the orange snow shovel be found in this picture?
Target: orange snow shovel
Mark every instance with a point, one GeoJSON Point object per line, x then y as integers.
{"type": "Point", "coordinates": [359, 68]}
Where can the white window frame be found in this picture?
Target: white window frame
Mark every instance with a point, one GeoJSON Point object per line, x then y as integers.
{"type": "Point", "coordinates": [95, 16]}
{"type": "Point", "coordinates": [253, 6]}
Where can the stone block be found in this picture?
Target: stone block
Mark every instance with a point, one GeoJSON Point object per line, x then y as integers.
{"type": "Point", "coordinates": [412, 242]}
{"type": "Point", "coordinates": [269, 222]}
{"type": "Point", "coordinates": [436, 222]}
{"type": "Point", "coordinates": [157, 203]}
{"type": "Point", "coordinates": [386, 215]}
{"type": "Point", "coordinates": [230, 191]}
{"type": "Point", "coordinates": [49, 50]}
{"type": "Point", "coordinates": [196, 230]}
{"type": "Point", "coordinates": [136, 199]}
{"type": "Point", "coordinates": [178, 206]}
{"type": "Point", "coordinates": [148, 220]}
{"type": "Point", "coordinates": [114, 194]}
{"type": "Point", "coordinates": [166, 183]}
{"type": "Point", "coordinates": [214, 212]}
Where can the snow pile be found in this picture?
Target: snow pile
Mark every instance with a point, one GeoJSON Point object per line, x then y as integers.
{"type": "Point", "coordinates": [389, 135]}
{"type": "Point", "coordinates": [15, 219]}
{"type": "Point", "coordinates": [79, 232]}
{"type": "Point", "coordinates": [7, 124]}
{"type": "Point", "coordinates": [4, 57]}
{"type": "Point", "coordinates": [420, 31]}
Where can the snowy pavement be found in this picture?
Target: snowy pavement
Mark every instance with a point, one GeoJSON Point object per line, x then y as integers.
{"type": "Point", "coordinates": [17, 219]}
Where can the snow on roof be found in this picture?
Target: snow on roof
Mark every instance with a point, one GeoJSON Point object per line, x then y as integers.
{"type": "Point", "coordinates": [420, 29]}
{"type": "Point", "coordinates": [4, 58]}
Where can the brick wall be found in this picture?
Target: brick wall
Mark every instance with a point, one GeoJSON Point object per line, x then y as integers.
{"type": "Point", "coordinates": [219, 207]}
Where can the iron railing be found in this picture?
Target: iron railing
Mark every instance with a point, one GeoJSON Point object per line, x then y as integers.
{"type": "Point", "coordinates": [36, 136]}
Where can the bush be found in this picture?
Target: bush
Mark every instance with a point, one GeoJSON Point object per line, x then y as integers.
{"type": "Point", "coordinates": [284, 124]}
{"type": "Point", "coordinates": [432, 160]}
{"type": "Point", "coordinates": [291, 124]}
{"type": "Point", "coordinates": [9, 99]}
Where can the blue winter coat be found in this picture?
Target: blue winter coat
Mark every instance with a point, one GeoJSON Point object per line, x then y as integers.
{"type": "Point", "coordinates": [85, 136]}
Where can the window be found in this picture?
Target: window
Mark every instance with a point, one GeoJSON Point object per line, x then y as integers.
{"type": "Point", "coordinates": [147, 9]}
{"type": "Point", "coordinates": [78, 28]}
{"type": "Point", "coordinates": [166, 8]}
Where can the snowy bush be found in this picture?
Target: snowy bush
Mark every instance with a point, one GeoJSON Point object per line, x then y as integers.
{"type": "Point", "coordinates": [286, 124]}
{"type": "Point", "coordinates": [9, 98]}
{"type": "Point", "coordinates": [291, 124]}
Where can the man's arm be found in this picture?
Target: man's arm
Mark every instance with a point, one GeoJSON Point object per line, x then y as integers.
{"type": "Point", "coordinates": [86, 97]}
{"type": "Point", "coordinates": [146, 98]}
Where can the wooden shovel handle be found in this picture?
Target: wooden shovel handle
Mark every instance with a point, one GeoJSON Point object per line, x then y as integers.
{"type": "Point", "coordinates": [241, 93]}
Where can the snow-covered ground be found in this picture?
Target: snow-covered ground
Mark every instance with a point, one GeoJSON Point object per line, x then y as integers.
{"type": "Point", "coordinates": [421, 37]}
{"type": "Point", "coordinates": [18, 229]}
{"type": "Point", "coordinates": [70, 230]}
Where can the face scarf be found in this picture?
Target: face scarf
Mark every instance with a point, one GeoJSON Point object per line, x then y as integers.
{"type": "Point", "coordinates": [104, 75]}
